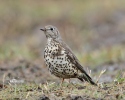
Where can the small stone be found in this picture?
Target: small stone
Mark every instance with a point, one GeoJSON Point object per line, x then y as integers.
{"type": "Point", "coordinates": [43, 98]}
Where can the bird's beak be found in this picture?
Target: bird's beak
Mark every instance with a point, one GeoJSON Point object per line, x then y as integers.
{"type": "Point", "coordinates": [43, 29]}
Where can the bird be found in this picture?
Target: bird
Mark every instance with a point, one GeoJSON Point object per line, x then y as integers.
{"type": "Point", "coordinates": [60, 59]}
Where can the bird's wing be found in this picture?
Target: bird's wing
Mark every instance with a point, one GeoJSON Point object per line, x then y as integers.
{"type": "Point", "coordinates": [74, 60]}
{"type": "Point", "coordinates": [70, 55]}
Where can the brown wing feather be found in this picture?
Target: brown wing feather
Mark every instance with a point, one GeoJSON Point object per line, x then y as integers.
{"type": "Point", "coordinates": [70, 54]}
{"type": "Point", "coordinates": [75, 61]}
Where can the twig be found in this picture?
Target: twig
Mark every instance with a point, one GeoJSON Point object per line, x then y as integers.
{"type": "Point", "coordinates": [102, 72]}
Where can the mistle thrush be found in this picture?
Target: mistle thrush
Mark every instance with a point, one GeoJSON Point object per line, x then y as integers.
{"type": "Point", "coordinates": [60, 59]}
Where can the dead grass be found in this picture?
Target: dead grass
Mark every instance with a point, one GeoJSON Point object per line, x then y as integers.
{"type": "Point", "coordinates": [31, 91]}
{"type": "Point", "coordinates": [16, 89]}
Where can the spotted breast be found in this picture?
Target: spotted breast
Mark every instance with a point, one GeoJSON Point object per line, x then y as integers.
{"type": "Point", "coordinates": [57, 61]}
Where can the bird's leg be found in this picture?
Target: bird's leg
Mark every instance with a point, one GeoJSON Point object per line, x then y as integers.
{"type": "Point", "coordinates": [62, 82]}
{"type": "Point", "coordinates": [69, 80]}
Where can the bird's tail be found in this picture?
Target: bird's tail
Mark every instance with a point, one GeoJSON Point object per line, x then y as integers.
{"type": "Point", "coordinates": [87, 78]}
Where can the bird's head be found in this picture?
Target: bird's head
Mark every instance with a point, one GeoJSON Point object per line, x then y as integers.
{"type": "Point", "coordinates": [51, 32]}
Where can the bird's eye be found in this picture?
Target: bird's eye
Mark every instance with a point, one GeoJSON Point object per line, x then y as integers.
{"type": "Point", "coordinates": [51, 29]}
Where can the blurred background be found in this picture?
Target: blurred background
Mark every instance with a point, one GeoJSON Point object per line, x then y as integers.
{"type": "Point", "coordinates": [94, 29]}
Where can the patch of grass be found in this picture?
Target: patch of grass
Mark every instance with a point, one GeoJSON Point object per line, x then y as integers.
{"type": "Point", "coordinates": [14, 51]}
{"type": "Point", "coordinates": [54, 91]}
{"type": "Point", "coordinates": [92, 58]}
{"type": "Point", "coordinates": [103, 55]}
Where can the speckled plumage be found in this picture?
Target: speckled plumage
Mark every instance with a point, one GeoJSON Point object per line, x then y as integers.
{"type": "Point", "coordinates": [59, 58]}
{"type": "Point", "coordinates": [58, 61]}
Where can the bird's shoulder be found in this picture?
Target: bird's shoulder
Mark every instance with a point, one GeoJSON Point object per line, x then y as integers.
{"type": "Point", "coordinates": [64, 47]}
